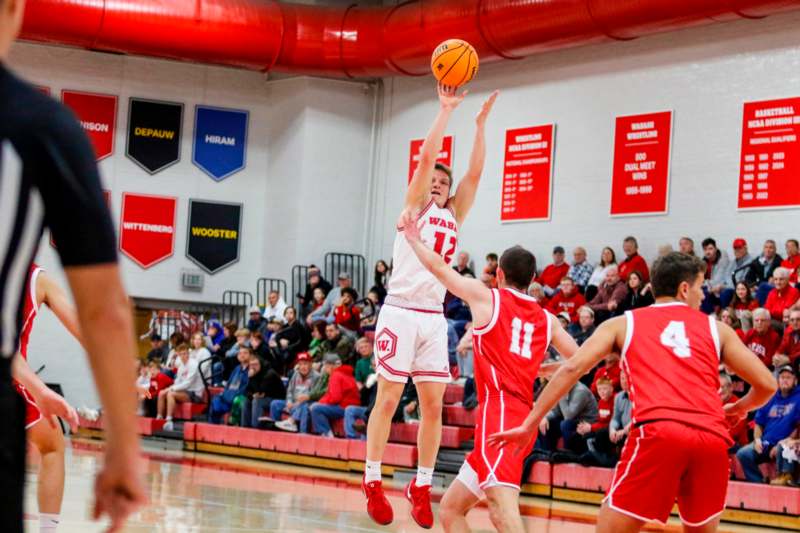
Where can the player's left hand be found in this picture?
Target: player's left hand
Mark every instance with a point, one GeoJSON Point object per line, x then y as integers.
{"type": "Point", "coordinates": [519, 436]}
{"type": "Point", "coordinates": [486, 108]}
{"type": "Point", "coordinates": [52, 404]}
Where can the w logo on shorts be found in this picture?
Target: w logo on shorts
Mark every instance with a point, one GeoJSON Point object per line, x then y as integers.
{"type": "Point", "coordinates": [386, 343]}
{"type": "Point", "coordinates": [383, 345]}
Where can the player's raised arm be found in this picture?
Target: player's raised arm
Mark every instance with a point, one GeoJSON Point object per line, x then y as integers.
{"type": "Point", "coordinates": [747, 366]}
{"type": "Point", "coordinates": [57, 300]}
{"type": "Point", "coordinates": [420, 186]}
{"type": "Point", "coordinates": [472, 291]}
{"type": "Point", "coordinates": [602, 341]}
{"type": "Point", "coordinates": [468, 186]}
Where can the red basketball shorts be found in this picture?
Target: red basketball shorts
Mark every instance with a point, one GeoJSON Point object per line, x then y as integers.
{"type": "Point", "coordinates": [32, 414]}
{"type": "Point", "coordinates": [487, 465]}
{"type": "Point", "coordinates": [664, 461]}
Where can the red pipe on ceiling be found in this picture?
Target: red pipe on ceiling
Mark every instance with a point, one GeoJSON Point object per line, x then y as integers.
{"type": "Point", "coordinates": [357, 41]}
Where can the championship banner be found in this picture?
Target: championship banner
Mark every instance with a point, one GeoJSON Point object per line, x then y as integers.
{"type": "Point", "coordinates": [147, 228]}
{"type": "Point", "coordinates": [214, 234]}
{"type": "Point", "coordinates": [528, 174]}
{"type": "Point", "coordinates": [97, 114]}
{"type": "Point", "coordinates": [640, 181]}
{"type": "Point", "coordinates": [445, 154]}
{"type": "Point", "coordinates": [154, 133]}
{"type": "Point", "coordinates": [220, 141]}
{"type": "Point", "coordinates": [770, 160]}
{"type": "Point", "coordinates": [106, 197]}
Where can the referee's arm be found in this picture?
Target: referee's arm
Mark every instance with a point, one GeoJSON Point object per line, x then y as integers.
{"type": "Point", "coordinates": [75, 211]}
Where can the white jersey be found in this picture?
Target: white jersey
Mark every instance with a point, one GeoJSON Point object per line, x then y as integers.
{"type": "Point", "coordinates": [412, 286]}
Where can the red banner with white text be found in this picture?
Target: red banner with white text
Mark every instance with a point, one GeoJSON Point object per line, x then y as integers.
{"type": "Point", "coordinates": [770, 159]}
{"type": "Point", "coordinates": [97, 114]}
{"type": "Point", "coordinates": [147, 228]}
{"type": "Point", "coordinates": [528, 174]}
{"type": "Point", "coordinates": [640, 180]}
{"type": "Point", "coordinates": [445, 154]}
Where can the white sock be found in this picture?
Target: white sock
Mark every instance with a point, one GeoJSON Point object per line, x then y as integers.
{"type": "Point", "coordinates": [424, 476]}
{"type": "Point", "coordinates": [159, 417]}
{"type": "Point", "coordinates": [48, 522]}
{"type": "Point", "coordinates": [372, 472]}
{"type": "Point", "coordinates": [169, 419]}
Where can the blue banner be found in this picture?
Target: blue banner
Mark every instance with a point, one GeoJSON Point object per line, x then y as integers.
{"type": "Point", "coordinates": [220, 140]}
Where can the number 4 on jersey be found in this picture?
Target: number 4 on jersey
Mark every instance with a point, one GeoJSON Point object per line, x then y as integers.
{"type": "Point", "coordinates": [523, 349]}
{"type": "Point", "coordinates": [674, 336]}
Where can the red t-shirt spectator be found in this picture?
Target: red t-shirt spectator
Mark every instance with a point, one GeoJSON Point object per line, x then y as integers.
{"type": "Point", "coordinates": [777, 301]}
{"type": "Point", "coordinates": [611, 372]}
{"type": "Point", "coordinates": [792, 263]}
{"type": "Point", "coordinates": [763, 346]}
{"type": "Point", "coordinates": [552, 274]}
{"type": "Point", "coordinates": [560, 302]}
{"type": "Point", "coordinates": [790, 345]}
{"type": "Point", "coordinates": [159, 383]}
{"type": "Point", "coordinates": [605, 410]}
{"type": "Point", "coordinates": [342, 388]}
{"type": "Point", "coordinates": [744, 306]}
{"type": "Point", "coordinates": [347, 317]}
{"type": "Point", "coordinates": [634, 262]}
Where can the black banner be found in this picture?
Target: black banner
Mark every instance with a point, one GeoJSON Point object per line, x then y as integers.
{"type": "Point", "coordinates": [214, 234]}
{"type": "Point", "coordinates": [154, 133]}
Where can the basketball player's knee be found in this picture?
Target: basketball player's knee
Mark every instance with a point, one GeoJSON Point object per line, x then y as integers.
{"type": "Point", "coordinates": [431, 411]}
{"type": "Point", "coordinates": [449, 513]}
{"type": "Point", "coordinates": [50, 441]}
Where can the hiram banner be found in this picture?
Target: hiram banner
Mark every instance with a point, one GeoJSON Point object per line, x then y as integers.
{"type": "Point", "coordinates": [220, 141]}
{"type": "Point", "coordinates": [147, 228]}
{"type": "Point", "coordinates": [154, 133]}
{"type": "Point", "coordinates": [214, 234]}
{"type": "Point", "coordinates": [97, 114]}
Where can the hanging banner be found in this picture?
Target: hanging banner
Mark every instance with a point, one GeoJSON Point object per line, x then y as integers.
{"type": "Point", "coordinates": [106, 197]}
{"type": "Point", "coordinates": [147, 228]}
{"type": "Point", "coordinates": [214, 234]}
{"type": "Point", "coordinates": [154, 133]}
{"type": "Point", "coordinates": [445, 154]}
{"type": "Point", "coordinates": [528, 174]}
{"type": "Point", "coordinates": [770, 161]}
{"type": "Point", "coordinates": [640, 181]}
{"type": "Point", "coordinates": [97, 114]}
{"type": "Point", "coordinates": [220, 141]}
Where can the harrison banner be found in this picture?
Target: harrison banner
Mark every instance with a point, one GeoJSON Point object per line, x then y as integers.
{"type": "Point", "coordinates": [147, 228]}
{"type": "Point", "coordinates": [97, 114]}
{"type": "Point", "coordinates": [220, 141]}
{"type": "Point", "coordinates": [214, 234]}
{"type": "Point", "coordinates": [154, 133]}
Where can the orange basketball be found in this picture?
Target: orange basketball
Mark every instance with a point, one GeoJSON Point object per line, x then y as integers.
{"type": "Point", "coordinates": [454, 62]}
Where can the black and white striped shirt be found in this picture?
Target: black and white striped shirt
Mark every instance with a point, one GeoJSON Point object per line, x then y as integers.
{"type": "Point", "coordinates": [48, 177]}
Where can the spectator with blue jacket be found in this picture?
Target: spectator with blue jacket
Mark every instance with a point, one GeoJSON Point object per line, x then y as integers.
{"type": "Point", "coordinates": [773, 423]}
{"type": "Point", "coordinates": [237, 384]}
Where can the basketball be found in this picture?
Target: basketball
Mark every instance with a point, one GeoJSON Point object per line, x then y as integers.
{"type": "Point", "coordinates": [454, 62]}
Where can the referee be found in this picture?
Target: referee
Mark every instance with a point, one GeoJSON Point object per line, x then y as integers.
{"type": "Point", "coordinates": [48, 177]}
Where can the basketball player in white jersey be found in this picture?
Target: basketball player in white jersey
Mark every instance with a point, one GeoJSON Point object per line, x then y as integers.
{"type": "Point", "coordinates": [411, 333]}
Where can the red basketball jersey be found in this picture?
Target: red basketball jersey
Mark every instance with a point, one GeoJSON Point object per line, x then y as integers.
{"type": "Point", "coordinates": [510, 349]}
{"type": "Point", "coordinates": [671, 355]}
{"type": "Point", "coordinates": [30, 310]}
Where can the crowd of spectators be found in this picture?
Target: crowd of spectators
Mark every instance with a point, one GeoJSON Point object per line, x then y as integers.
{"type": "Point", "coordinates": [301, 369]}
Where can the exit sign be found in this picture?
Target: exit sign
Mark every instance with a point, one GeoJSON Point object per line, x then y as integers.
{"type": "Point", "coordinates": [192, 280]}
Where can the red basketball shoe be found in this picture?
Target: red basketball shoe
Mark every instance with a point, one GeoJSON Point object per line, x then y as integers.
{"type": "Point", "coordinates": [378, 507]}
{"type": "Point", "coordinates": [420, 498]}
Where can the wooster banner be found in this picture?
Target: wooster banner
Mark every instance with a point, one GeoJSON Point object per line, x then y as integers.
{"type": "Point", "coordinates": [220, 141]}
{"type": "Point", "coordinates": [154, 133]}
{"type": "Point", "coordinates": [214, 234]}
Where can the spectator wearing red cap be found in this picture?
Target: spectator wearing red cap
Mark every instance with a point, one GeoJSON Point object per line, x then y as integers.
{"type": "Point", "coordinates": [792, 261]}
{"type": "Point", "coordinates": [783, 296]}
{"type": "Point", "coordinates": [297, 396]}
{"type": "Point", "coordinates": [633, 261]}
{"type": "Point", "coordinates": [568, 299]}
{"type": "Point", "coordinates": [553, 274]}
{"type": "Point", "coordinates": [762, 340]}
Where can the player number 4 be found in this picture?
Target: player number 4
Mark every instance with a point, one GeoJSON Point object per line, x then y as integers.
{"type": "Point", "coordinates": [674, 336]}
{"type": "Point", "coordinates": [523, 349]}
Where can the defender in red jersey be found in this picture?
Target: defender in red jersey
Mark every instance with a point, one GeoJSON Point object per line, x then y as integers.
{"type": "Point", "coordinates": [677, 449]}
{"type": "Point", "coordinates": [41, 402]}
{"type": "Point", "coordinates": [509, 345]}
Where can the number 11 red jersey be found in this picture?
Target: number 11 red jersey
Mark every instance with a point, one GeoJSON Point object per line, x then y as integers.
{"type": "Point", "coordinates": [671, 355]}
{"type": "Point", "coordinates": [510, 349]}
